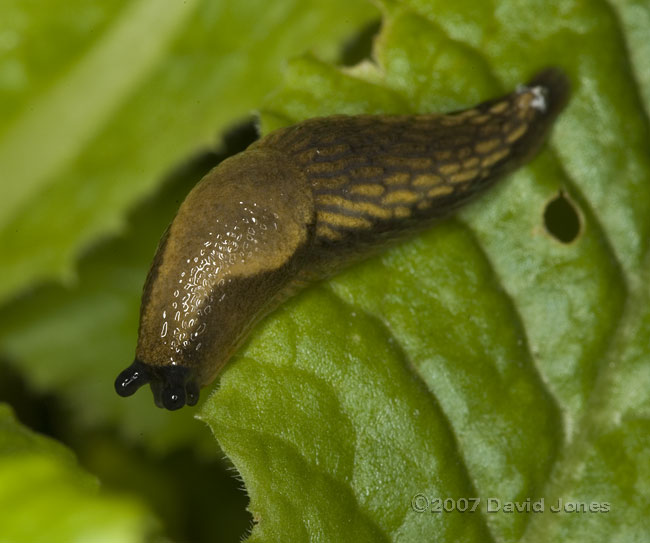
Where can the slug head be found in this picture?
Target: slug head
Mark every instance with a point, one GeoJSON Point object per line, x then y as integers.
{"type": "Point", "coordinates": [172, 386]}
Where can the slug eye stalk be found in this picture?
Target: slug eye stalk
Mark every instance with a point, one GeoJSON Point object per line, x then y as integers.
{"type": "Point", "coordinates": [172, 386]}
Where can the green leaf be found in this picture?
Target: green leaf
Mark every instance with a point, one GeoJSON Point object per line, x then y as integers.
{"type": "Point", "coordinates": [635, 19]}
{"type": "Point", "coordinates": [89, 126]}
{"type": "Point", "coordinates": [486, 358]}
{"type": "Point", "coordinates": [46, 496]}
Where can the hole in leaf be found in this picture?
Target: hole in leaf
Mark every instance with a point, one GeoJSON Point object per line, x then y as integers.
{"type": "Point", "coordinates": [561, 219]}
{"type": "Point", "coordinates": [359, 46]}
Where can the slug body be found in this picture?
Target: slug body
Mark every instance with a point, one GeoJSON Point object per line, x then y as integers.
{"type": "Point", "coordinates": [303, 202]}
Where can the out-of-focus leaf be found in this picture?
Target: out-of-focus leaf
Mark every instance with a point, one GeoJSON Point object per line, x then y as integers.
{"type": "Point", "coordinates": [46, 496]}
{"type": "Point", "coordinates": [89, 126]}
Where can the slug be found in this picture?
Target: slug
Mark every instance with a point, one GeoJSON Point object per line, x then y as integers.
{"type": "Point", "coordinates": [301, 203]}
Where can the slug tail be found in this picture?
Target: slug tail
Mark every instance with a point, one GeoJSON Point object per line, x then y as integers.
{"type": "Point", "coordinates": [554, 86]}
